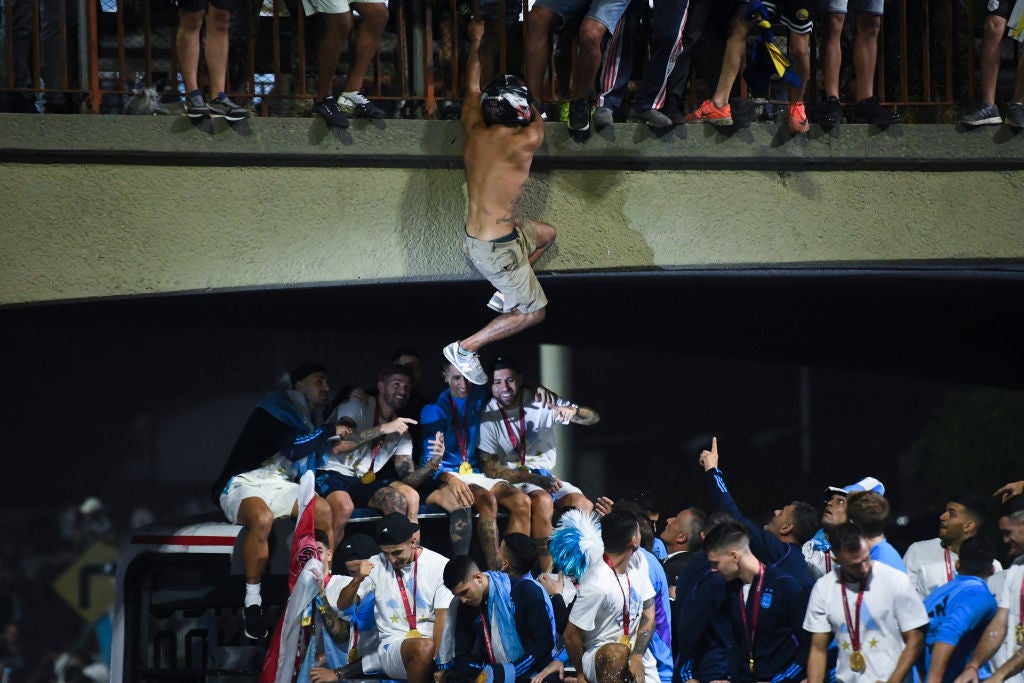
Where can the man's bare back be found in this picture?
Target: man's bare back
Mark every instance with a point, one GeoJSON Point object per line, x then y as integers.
{"type": "Point", "coordinates": [498, 160]}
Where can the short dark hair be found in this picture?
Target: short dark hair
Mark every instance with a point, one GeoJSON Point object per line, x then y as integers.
{"type": "Point", "coordinates": [869, 511]}
{"type": "Point", "coordinates": [973, 504]}
{"type": "Point", "coordinates": [727, 536]}
{"type": "Point", "coordinates": [805, 521]}
{"type": "Point", "coordinates": [976, 556]}
{"type": "Point", "coordinates": [1013, 508]}
{"type": "Point", "coordinates": [846, 536]}
{"type": "Point", "coordinates": [320, 536]}
{"type": "Point", "coordinates": [645, 501]}
{"type": "Point", "coordinates": [646, 528]}
{"type": "Point", "coordinates": [301, 372]}
{"type": "Point", "coordinates": [716, 518]}
{"type": "Point", "coordinates": [459, 569]}
{"type": "Point", "coordinates": [522, 553]}
{"type": "Point", "coordinates": [503, 362]}
{"type": "Point", "coordinates": [617, 529]}
{"type": "Point", "coordinates": [393, 369]}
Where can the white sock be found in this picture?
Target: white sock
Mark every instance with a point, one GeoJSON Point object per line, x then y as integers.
{"type": "Point", "coordinates": [252, 595]}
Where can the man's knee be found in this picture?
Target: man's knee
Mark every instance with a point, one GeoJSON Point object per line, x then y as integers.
{"type": "Point", "coordinates": [218, 19]}
{"type": "Point", "coordinates": [341, 504]}
{"type": "Point", "coordinates": [517, 502]}
{"type": "Point", "coordinates": [256, 516]}
{"type": "Point", "coordinates": [191, 21]}
{"type": "Point", "coordinates": [541, 504]}
{"type": "Point", "coordinates": [868, 26]}
{"type": "Point", "coordinates": [322, 513]}
{"type": "Point", "coordinates": [418, 650]}
{"type": "Point", "coordinates": [994, 27]}
{"type": "Point", "coordinates": [592, 33]}
{"type": "Point", "coordinates": [836, 22]}
{"type": "Point", "coordinates": [576, 500]}
{"type": "Point", "coordinates": [389, 500]}
{"type": "Point", "coordinates": [485, 503]}
{"type": "Point", "coordinates": [539, 22]}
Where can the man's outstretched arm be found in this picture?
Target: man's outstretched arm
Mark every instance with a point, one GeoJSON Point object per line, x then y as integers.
{"type": "Point", "coordinates": [471, 100]}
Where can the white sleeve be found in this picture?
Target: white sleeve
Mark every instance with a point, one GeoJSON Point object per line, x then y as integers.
{"type": "Point", "coordinates": [1011, 587]}
{"type": "Point", "coordinates": [589, 601]}
{"type": "Point", "coordinates": [404, 445]}
{"type": "Point", "coordinates": [914, 570]}
{"type": "Point", "coordinates": [907, 605]}
{"type": "Point", "coordinates": [816, 617]}
{"type": "Point", "coordinates": [644, 586]}
{"type": "Point", "coordinates": [352, 408]}
{"type": "Point", "coordinates": [490, 441]}
{"type": "Point", "coordinates": [369, 584]}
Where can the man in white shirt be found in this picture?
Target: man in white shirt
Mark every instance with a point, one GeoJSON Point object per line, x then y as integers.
{"type": "Point", "coordinates": [411, 600]}
{"type": "Point", "coordinates": [517, 444]}
{"type": "Point", "coordinates": [817, 551]}
{"type": "Point", "coordinates": [612, 621]}
{"type": "Point", "coordinates": [932, 563]}
{"type": "Point", "coordinates": [871, 609]}
{"type": "Point", "coordinates": [363, 468]}
{"type": "Point", "coordinates": [1003, 639]}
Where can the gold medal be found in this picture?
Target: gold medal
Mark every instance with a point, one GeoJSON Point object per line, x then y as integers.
{"type": "Point", "coordinates": [307, 620]}
{"type": "Point", "coordinates": [624, 640]}
{"type": "Point", "coordinates": [413, 633]}
{"type": "Point", "coordinates": [465, 468]}
{"type": "Point", "coordinates": [353, 655]}
{"type": "Point", "coordinates": [524, 468]}
{"type": "Point", "coordinates": [1020, 634]}
{"type": "Point", "coordinates": [857, 662]}
{"type": "Point", "coordinates": [368, 477]}
{"type": "Point", "coordinates": [751, 665]}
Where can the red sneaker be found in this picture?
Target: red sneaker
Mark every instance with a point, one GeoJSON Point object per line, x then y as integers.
{"type": "Point", "coordinates": [798, 118]}
{"type": "Point", "coordinates": [707, 112]}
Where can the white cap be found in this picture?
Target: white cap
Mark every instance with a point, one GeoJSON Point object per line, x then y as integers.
{"type": "Point", "coordinates": [90, 505]}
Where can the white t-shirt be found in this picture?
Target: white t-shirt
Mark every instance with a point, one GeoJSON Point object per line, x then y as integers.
{"type": "Point", "coordinates": [890, 608]}
{"type": "Point", "coordinates": [1008, 598]}
{"type": "Point", "coordinates": [357, 463]}
{"type": "Point", "coordinates": [598, 610]}
{"type": "Point", "coordinates": [428, 584]}
{"type": "Point", "coordinates": [927, 568]}
{"type": "Point", "coordinates": [368, 641]}
{"type": "Point", "coordinates": [540, 434]}
{"type": "Point", "coordinates": [819, 562]}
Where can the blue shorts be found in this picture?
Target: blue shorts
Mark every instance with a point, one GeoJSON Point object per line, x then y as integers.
{"type": "Point", "coordinates": [847, 6]}
{"type": "Point", "coordinates": [608, 12]}
{"type": "Point", "coordinates": [796, 15]}
{"type": "Point", "coordinates": [329, 481]}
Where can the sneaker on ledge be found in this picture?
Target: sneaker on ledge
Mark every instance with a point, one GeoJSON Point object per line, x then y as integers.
{"type": "Point", "coordinates": [652, 117]}
{"type": "Point", "coordinates": [673, 112]}
{"type": "Point", "coordinates": [798, 118]}
{"type": "Point", "coordinates": [254, 623]}
{"type": "Point", "coordinates": [195, 106]}
{"type": "Point", "coordinates": [832, 113]}
{"type": "Point", "coordinates": [354, 104]}
{"type": "Point", "coordinates": [707, 112]}
{"type": "Point", "coordinates": [603, 117]}
{"type": "Point", "coordinates": [1015, 115]}
{"type": "Point", "coordinates": [870, 111]}
{"type": "Point", "coordinates": [328, 110]}
{"type": "Point", "coordinates": [579, 115]}
{"type": "Point", "coordinates": [225, 108]}
{"type": "Point", "coordinates": [469, 365]}
{"type": "Point", "coordinates": [984, 115]}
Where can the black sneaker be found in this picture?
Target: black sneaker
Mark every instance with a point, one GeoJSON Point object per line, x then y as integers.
{"type": "Point", "coordinates": [195, 106]}
{"type": "Point", "coordinates": [225, 108]}
{"type": "Point", "coordinates": [579, 115]}
{"type": "Point", "coordinates": [870, 111]}
{"type": "Point", "coordinates": [254, 623]}
{"type": "Point", "coordinates": [354, 104]}
{"type": "Point", "coordinates": [1015, 115]}
{"type": "Point", "coordinates": [328, 110]}
{"type": "Point", "coordinates": [673, 111]}
{"type": "Point", "coordinates": [832, 113]}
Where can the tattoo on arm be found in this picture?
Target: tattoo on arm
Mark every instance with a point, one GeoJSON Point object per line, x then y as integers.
{"type": "Point", "coordinates": [494, 469]}
{"type": "Point", "coordinates": [364, 436]}
{"type": "Point", "coordinates": [335, 626]}
{"type": "Point", "coordinates": [646, 629]}
{"type": "Point", "coordinates": [415, 477]}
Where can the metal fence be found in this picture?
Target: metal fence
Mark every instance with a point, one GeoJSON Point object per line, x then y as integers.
{"type": "Point", "coordinates": [114, 56]}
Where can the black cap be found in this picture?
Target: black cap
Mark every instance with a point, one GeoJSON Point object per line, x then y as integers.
{"type": "Point", "coordinates": [305, 370]}
{"type": "Point", "coordinates": [357, 547]}
{"type": "Point", "coordinates": [395, 529]}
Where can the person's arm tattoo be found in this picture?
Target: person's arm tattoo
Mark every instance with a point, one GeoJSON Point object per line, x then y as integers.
{"type": "Point", "coordinates": [645, 630]}
{"type": "Point", "coordinates": [333, 624]}
{"type": "Point", "coordinates": [410, 476]}
{"type": "Point", "coordinates": [494, 469]}
{"type": "Point", "coordinates": [586, 416]}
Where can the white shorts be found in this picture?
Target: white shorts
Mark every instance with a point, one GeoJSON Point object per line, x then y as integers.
{"type": "Point", "coordinates": [390, 653]}
{"type": "Point", "coordinates": [279, 494]}
{"type": "Point", "coordinates": [590, 669]}
{"type": "Point", "coordinates": [333, 6]}
{"type": "Point", "coordinates": [480, 480]}
{"type": "Point", "coordinates": [566, 489]}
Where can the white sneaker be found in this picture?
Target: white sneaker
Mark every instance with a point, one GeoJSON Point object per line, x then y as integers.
{"type": "Point", "coordinates": [469, 366]}
{"type": "Point", "coordinates": [497, 302]}
{"type": "Point", "coordinates": [355, 104]}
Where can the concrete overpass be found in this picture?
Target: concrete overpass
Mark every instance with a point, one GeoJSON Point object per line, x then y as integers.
{"type": "Point", "coordinates": [104, 206]}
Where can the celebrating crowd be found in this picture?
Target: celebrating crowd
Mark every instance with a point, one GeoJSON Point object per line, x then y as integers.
{"type": "Point", "coordinates": [585, 587]}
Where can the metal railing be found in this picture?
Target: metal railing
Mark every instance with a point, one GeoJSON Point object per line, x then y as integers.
{"type": "Point", "coordinates": [119, 55]}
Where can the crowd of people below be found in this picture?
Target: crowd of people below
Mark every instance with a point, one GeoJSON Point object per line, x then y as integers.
{"type": "Point", "coordinates": [616, 59]}
{"type": "Point", "coordinates": [586, 586]}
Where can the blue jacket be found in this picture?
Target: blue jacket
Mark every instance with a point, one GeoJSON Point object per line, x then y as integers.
{"type": "Point", "coordinates": [437, 417]}
{"type": "Point", "coordinates": [958, 613]}
{"type": "Point", "coordinates": [702, 639]}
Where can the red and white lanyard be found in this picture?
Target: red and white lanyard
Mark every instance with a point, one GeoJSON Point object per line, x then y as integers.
{"type": "Point", "coordinates": [519, 444]}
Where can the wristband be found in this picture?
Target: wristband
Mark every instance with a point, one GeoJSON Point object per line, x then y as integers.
{"type": "Point", "coordinates": [972, 666]}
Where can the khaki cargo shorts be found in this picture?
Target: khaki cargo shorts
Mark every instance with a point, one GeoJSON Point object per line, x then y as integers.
{"type": "Point", "coordinates": [506, 265]}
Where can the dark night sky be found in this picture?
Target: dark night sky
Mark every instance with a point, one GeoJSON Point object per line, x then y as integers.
{"type": "Point", "coordinates": [140, 400]}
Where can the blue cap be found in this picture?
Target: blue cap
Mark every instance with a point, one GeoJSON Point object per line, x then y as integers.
{"type": "Point", "coordinates": [865, 484]}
